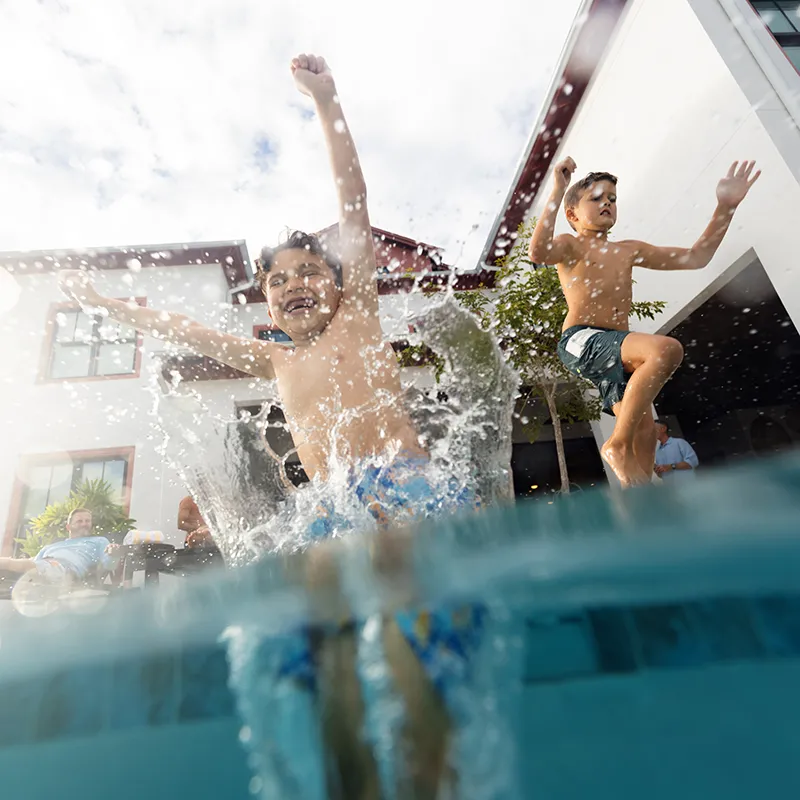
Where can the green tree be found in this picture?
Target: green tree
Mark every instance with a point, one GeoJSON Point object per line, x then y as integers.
{"type": "Point", "coordinates": [108, 516]}
{"type": "Point", "coordinates": [526, 310]}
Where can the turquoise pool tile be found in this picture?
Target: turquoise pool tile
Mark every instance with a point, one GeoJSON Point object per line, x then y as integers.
{"type": "Point", "coordinates": [558, 648]}
{"type": "Point", "coordinates": [726, 627]}
{"type": "Point", "coordinates": [204, 692]}
{"type": "Point", "coordinates": [144, 691]}
{"type": "Point", "coordinates": [777, 619]}
{"type": "Point", "coordinates": [613, 642]}
{"type": "Point", "coordinates": [667, 639]}
{"type": "Point", "coordinates": [74, 703]}
{"type": "Point", "coordinates": [19, 707]}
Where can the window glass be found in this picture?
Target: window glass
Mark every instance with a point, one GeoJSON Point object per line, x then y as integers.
{"type": "Point", "coordinates": [87, 346]}
{"type": "Point", "coordinates": [35, 502]}
{"type": "Point", "coordinates": [60, 482]}
{"type": "Point", "coordinates": [774, 19]}
{"type": "Point", "coordinates": [46, 484]}
{"type": "Point", "coordinates": [794, 55]}
{"type": "Point", "coordinates": [71, 361]}
{"type": "Point", "coordinates": [91, 471]}
{"type": "Point", "coordinates": [791, 9]}
{"type": "Point", "coordinates": [116, 358]}
{"type": "Point", "coordinates": [112, 331]}
{"type": "Point", "coordinates": [65, 325]}
{"type": "Point", "coordinates": [112, 471]}
{"type": "Point", "coordinates": [270, 335]}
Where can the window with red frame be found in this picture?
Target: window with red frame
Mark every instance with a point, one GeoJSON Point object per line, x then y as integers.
{"type": "Point", "coordinates": [50, 480]}
{"type": "Point", "coordinates": [782, 17]}
{"type": "Point", "coordinates": [88, 346]}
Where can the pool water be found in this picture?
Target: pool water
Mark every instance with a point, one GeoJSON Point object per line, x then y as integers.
{"type": "Point", "coordinates": [645, 645]}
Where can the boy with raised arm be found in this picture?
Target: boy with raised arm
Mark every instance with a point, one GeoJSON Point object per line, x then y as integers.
{"type": "Point", "coordinates": [628, 368]}
{"type": "Point", "coordinates": [341, 377]}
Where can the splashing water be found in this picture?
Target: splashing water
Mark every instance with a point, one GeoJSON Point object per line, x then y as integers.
{"type": "Point", "coordinates": [240, 486]}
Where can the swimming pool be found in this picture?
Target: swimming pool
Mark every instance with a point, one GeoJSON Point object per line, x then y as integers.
{"type": "Point", "coordinates": [645, 645]}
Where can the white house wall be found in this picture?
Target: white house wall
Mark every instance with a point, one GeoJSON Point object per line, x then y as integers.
{"type": "Point", "coordinates": [665, 114]}
{"type": "Point", "coordinates": [74, 415]}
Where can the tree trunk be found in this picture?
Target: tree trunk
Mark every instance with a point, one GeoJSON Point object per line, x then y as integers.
{"type": "Point", "coordinates": [550, 396]}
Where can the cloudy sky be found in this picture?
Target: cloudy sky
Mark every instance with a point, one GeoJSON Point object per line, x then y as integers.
{"type": "Point", "coordinates": [150, 121]}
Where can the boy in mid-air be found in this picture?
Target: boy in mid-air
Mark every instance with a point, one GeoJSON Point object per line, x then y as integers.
{"type": "Point", "coordinates": [628, 368]}
{"type": "Point", "coordinates": [341, 393]}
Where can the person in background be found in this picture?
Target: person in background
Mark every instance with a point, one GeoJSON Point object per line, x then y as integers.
{"type": "Point", "coordinates": [673, 454]}
{"type": "Point", "coordinates": [69, 560]}
{"type": "Point", "coordinates": [191, 522]}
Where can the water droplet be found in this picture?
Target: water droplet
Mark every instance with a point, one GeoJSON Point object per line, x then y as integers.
{"type": "Point", "coordinates": [339, 126]}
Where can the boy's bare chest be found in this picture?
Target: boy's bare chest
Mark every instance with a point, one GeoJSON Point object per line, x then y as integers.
{"type": "Point", "coordinates": [329, 375]}
{"type": "Point", "coordinates": [600, 271]}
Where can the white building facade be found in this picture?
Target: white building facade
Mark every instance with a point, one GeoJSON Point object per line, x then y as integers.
{"type": "Point", "coordinates": [666, 94]}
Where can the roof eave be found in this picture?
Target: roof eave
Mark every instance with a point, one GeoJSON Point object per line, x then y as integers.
{"type": "Point", "coordinates": [594, 26]}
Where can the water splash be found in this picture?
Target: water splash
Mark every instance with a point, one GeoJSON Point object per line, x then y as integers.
{"type": "Point", "coordinates": [239, 482]}
{"type": "Point", "coordinates": [240, 486]}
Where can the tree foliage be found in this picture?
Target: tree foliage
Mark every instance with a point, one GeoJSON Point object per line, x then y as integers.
{"type": "Point", "coordinates": [108, 516]}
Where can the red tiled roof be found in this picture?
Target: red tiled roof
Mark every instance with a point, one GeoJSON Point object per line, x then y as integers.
{"type": "Point", "coordinates": [401, 262]}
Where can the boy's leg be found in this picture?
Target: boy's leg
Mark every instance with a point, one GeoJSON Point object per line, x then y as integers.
{"type": "Point", "coordinates": [652, 360]}
{"type": "Point", "coordinates": [644, 444]}
{"type": "Point", "coordinates": [350, 768]}
{"type": "Point", "coordinates": [425, 770]}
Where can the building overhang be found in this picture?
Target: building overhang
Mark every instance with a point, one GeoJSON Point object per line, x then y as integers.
{"type": "Point", "coordinates": [231, 256]}
{"type": "Point", "coordinates": [593, 29]}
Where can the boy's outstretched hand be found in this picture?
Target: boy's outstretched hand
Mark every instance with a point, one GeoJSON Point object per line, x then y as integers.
{"type": "Point", "coordinates": [76, 285]}
{"type": "Point", "coordinates": [733, 188]}
{"type": "Point", "coordinates": [312, 76]}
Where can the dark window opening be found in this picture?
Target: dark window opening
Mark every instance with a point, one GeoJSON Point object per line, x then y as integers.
{"type": "Point", "coordinates": [737, 393]}
{"type": "Point", "coordinates": [273, 335]}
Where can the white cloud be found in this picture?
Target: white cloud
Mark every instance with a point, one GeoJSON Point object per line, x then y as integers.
{"type": "Point", "coordinates": [144, 121]}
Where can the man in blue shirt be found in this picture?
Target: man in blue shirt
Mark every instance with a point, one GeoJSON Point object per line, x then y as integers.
{"type": "Point", "coordinates": [71, 559]}
{"type": "Point", "coordinates": [673, 455]}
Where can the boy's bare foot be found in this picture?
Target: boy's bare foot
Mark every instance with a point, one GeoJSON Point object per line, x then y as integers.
{"type": "Point", "coordinates": [623, 462]}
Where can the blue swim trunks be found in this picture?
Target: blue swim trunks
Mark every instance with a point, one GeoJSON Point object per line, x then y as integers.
{"type": "Point", "coordinates": [442, 639]}
{"type": "Point", "coordinates": [596, 354]}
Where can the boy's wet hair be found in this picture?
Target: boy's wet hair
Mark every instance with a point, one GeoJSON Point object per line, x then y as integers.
{"type": "Point", "coordinates": [577, 190]}
{"type": "Point", "coordinates": [297, 240]}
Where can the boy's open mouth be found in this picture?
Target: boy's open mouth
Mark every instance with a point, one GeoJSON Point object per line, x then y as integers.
{"type": "Point", "coordinates": [605, 212]}
{"type": "Point", "coordinates": [298, 305]}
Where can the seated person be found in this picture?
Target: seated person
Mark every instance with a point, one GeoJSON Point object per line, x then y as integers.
{"type": "Point", "coordinates": [192, 523]}
{"type": "Point", "coordinates": [69, 560]}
